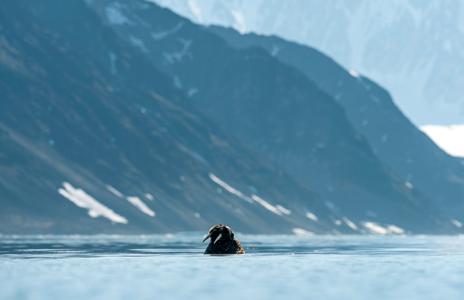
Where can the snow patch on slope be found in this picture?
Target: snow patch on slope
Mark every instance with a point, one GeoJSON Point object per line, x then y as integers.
{"type": "Point", "coordinates": [149, 196]}
{"type": "Point", "coordinates": [393, 229]}
{"type": "Point", "coordinates": [409, 185]}
{"type": "Point", "coordinates": [375, 228]}
{"type": "Point", "coordinates": [137, 202]}
{"type": "Point", "coordinates": [354, 73]}
{"type": "Point", "coordinates": [456, 223]}
{"type": "Point", "coordinates": [283, 210]}
{"type": "Point", "coordinates": [449, 138]}
{"type": "Point", "coordinates": [301, 232]}
{"type": "Point", "coordinates": [312, 216]}
{"type": "Point", "coordinates": [228, 188]}
{"type": "Point", "coordinates": [95, 209]}
{"type": "Point", "coordinates": [276, 209]}
{"type": "Point", "coordinates": [350, 223]}
{"type": "Point", "coordinates": [267, 205]}
{"type": "Point", "coordinates": [114, 191]}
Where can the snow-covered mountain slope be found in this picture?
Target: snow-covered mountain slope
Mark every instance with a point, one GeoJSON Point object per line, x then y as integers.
{"type": "Point", "coordinates": [449, 138]}
{"type": "Point", "coordinates": [414, 48]}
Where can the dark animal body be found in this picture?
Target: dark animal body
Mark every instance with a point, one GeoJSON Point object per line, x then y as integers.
{"type": "Point", "coordinates": [222, 241]}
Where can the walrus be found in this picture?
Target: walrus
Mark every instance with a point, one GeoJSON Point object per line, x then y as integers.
{"type": "Point", "coordinates": [222, 241]}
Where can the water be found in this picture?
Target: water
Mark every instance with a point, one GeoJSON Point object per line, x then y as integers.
{"type": "Point", "coordinates": [275, 267]}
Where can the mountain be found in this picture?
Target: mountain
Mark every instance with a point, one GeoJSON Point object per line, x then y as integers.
{"type": "Point", "coordinates": [413, 48]}
{"type": "Point", "coordinates": [371, 110]}
{"type": "Point", "coordinates": [277, 112]}
{"type": "Point", "coordinates": [95, 139]}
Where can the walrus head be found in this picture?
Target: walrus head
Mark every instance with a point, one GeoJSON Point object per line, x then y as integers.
{"type": "Point", "coordinates": [222, 241]}
{"type": "Point", "coordinates": [218, 232]}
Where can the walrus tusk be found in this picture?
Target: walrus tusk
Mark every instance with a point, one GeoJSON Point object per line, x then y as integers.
{"type": "Point", "coordinates": [206, 237]}
{"type": "Point", "coordinates": [217, 239]}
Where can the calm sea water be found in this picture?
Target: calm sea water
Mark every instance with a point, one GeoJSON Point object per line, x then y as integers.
{"type": "Point", "coordinates": [275, 267]}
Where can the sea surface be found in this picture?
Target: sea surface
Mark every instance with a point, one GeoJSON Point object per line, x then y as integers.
{"type": "Point", "coordinates": [275, 267]}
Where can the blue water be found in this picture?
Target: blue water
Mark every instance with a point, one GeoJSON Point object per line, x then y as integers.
{"type": "Point", "coordinates": [275, 267]}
